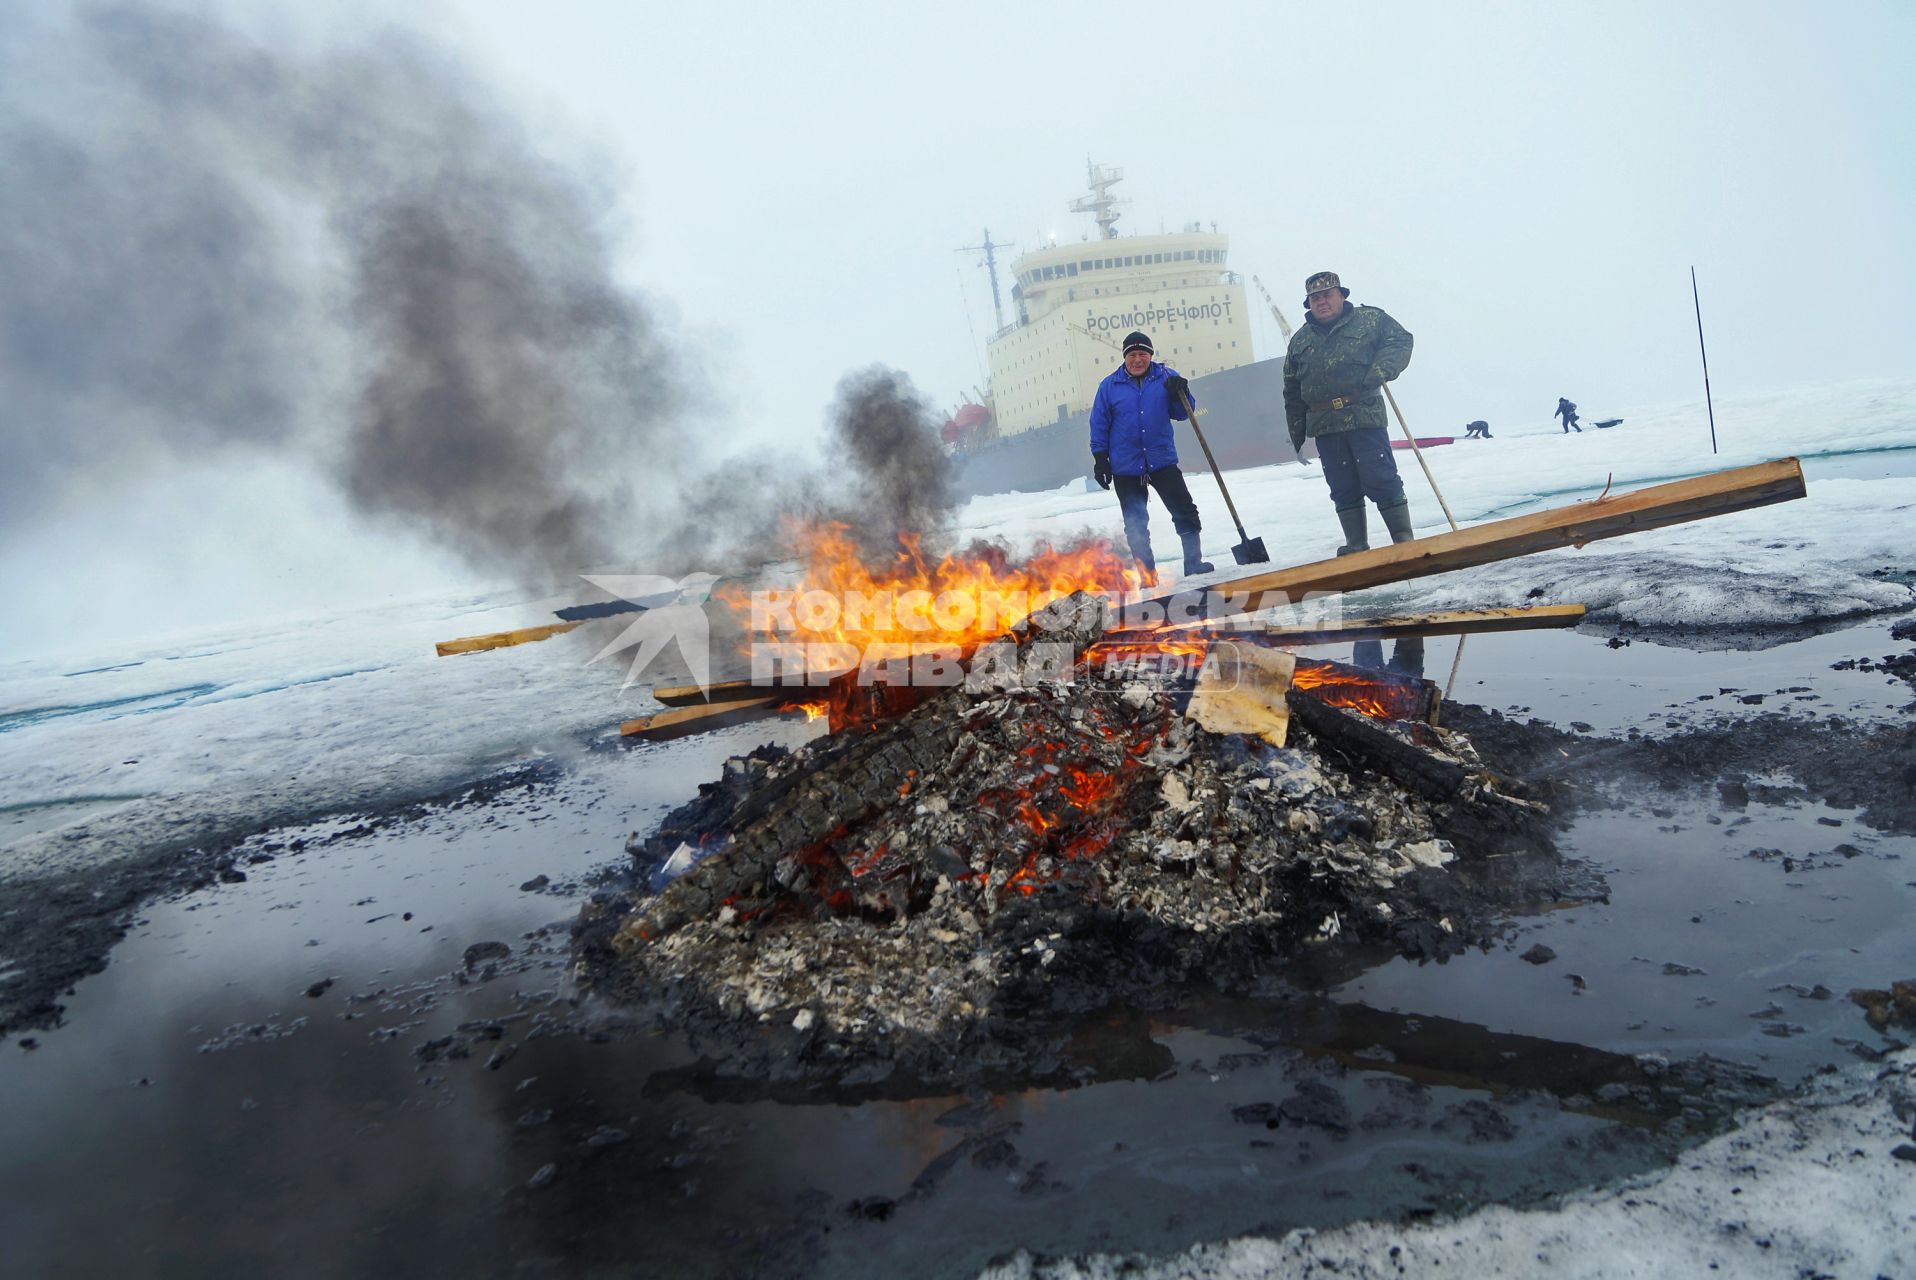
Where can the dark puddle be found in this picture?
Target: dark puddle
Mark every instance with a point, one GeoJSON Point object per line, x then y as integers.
{"type": "Point", "coordinates": [201, 1113]}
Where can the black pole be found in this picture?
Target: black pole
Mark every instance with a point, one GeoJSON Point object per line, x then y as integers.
{"type": "Point", "coordinates": [1706, 358]}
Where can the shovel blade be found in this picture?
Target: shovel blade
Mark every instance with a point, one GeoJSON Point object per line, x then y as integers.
{"type": "Point", "coordinates": [1251, 551]}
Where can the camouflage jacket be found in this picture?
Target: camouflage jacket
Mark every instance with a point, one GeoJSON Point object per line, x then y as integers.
{"type": "Point", "coordinates": [1350, 359]}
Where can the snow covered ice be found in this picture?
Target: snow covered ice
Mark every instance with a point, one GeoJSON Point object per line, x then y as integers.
{"type": "Point", "coordinates": [184, 740]}
{"type": "Point", "coordinates": [233, 729]}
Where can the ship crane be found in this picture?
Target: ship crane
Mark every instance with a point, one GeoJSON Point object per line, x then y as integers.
{"type": "Point", "coordinates": [990, 251]}
{"type": "Point", "coordinates": [1284, 326]}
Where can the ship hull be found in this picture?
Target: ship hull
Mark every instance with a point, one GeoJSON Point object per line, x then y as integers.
{"type": "Point", "coordinates": [1241, 411]}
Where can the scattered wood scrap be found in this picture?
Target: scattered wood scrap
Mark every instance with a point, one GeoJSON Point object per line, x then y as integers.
{"type": "Point", "coordinates": [1241, 689]}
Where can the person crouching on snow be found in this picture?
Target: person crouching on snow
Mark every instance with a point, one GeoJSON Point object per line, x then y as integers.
{"type": "Point", "coordinates": [1131, 447]}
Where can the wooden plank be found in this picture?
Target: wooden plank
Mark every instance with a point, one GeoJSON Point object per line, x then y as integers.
{"type": "Point", "coordinates": [1447, 622]}
{"type": "Point", "coordinates": [1442, 623]}
{"type": "Point", "coordinates": [740, 690]}
{"type": "Point", "coordinates": [502, 639]}
{"type": "Point", "coordinates": [682, 722]}
{"type": "Point", "coordinates": [1611, 516]}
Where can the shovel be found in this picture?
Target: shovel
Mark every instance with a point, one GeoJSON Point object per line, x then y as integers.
{"type": "Point", "coordinates": [1249, 550]}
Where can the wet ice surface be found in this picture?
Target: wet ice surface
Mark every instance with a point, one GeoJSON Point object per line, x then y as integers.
{"type": "Point", "coordinates": [194, 736]}
{"type": "Point", "coordinates": [326, 1134]}
{"type": "Point", "coordinates": [335, 1133]}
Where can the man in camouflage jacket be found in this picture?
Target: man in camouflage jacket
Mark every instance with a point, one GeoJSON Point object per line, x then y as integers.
{"type": "Point", "coordinates": [1334, 374]}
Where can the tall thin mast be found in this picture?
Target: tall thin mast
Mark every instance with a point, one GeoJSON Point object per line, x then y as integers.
{"type": "Point", "coordinates": [1101, 204]}
{"type": "Point", "coordinates": [1703, 352]}
{"type": "Point", "coordinates": [990, 251]}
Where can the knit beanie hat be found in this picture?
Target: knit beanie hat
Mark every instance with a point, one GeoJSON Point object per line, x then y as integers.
{"type": "Point", "coordinates": [1135, 339]}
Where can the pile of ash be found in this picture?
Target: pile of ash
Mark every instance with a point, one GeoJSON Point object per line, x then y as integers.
{"type": "Point", "coordinates": [932, 894]}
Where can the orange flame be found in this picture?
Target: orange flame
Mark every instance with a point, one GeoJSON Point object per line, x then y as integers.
{"type": "Point", "coordinates": [959, 600]}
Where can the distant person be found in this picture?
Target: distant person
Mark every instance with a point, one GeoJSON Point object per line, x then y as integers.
{"type": "Point", "coordinates": [1568, 412]}
{"type": "Point", "coordinates": [1334, 373]}
{"type": "Point", "coordinates": [1131, 446]}
{"type": "Point", "coordinates": [1479, 430]}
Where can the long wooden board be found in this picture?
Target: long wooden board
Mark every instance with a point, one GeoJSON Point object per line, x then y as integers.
{"type": "Point", "coordinates": [1611, 516]}
{"type": "Point", "coordinates": [742, 690]}
{"type": "Point", "coordinates": [681, 722]}
{"type": "Point", "coordinates": [502, 639]}
{"type": "Point", "coordinates": [1446, 622]}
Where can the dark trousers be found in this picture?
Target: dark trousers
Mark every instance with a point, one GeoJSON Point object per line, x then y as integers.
{"type": "Point", "coordinates": [1358, 465]}
{"type": "Point", "coordinates": [1169, 482]}
{"type": "Point", "coordinates": [1406, 656]}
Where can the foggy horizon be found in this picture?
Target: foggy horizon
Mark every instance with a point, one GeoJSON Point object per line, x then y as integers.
{"type": "Point", "coordinates": [785, 195]}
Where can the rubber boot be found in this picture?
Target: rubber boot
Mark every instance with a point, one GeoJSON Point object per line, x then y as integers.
{"type": "Point", "coordinates": [1356, 536]}
{"type": "Point", "coordinates": [1407, 656]}
{"type": "Point", "coordinates": [1194, 561]}
{"type": "Point", "coordinates": [1397, 520]}
{"type": "Point", "coordinates": [1146, 562]}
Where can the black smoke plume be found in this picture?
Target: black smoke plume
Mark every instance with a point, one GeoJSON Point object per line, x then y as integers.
{"type": "Point", "coordinates": [207, 243]}
{"type": "Point", "coordinates": [886, 476]}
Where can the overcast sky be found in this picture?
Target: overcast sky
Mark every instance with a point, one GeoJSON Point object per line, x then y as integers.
{"type": "Point", "coordinates": [1524, 186]}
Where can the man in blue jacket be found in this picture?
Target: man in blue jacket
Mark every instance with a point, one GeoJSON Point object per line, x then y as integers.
{"type": "Point", "coordinates": [1131, 447]}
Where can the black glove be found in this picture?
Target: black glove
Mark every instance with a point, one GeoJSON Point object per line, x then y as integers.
{"type": "Point", "coordinates": [1297, 437]}
{"type": "Point", "coordinates": [1178, 387]}
{"type": "Point", "coordinates": [1101, 469]}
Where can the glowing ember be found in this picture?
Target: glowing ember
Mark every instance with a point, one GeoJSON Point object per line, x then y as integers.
{"type": "Point", "coordinates": [1372, 695]}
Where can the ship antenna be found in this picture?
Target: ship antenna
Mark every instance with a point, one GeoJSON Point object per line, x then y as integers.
{"type": "Point", "coordinates": [990, 251]}
{"type": "Point", "coordinates": [1101, 204]}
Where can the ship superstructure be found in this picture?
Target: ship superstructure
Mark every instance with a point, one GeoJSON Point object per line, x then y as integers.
{"type": "Point", "coordinates": [1075, 303]}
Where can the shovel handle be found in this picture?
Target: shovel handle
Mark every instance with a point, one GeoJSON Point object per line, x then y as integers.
{"type": "Point", "coordinates": [1405, 427]}
{"type": "Point", "coordinates": [1190, 412]}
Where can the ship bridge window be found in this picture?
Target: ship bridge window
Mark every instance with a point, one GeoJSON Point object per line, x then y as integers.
{"type": "Point", "coordinates": [1086, 266]}
{"type": "Point", "coordinates": [1071, 268]}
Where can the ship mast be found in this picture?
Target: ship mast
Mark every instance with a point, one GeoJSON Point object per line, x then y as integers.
{"type": "Point", "coordinates": [1101, 204]}
{"type": "Point", "coordinates": [990, 251]}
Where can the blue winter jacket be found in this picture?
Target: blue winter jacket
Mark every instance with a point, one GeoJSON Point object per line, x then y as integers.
{"type": "Point", "coordinates": [1133, 423]}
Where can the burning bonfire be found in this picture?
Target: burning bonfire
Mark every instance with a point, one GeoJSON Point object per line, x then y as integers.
{"type": "Point", "coordinates": [1086, 817]}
